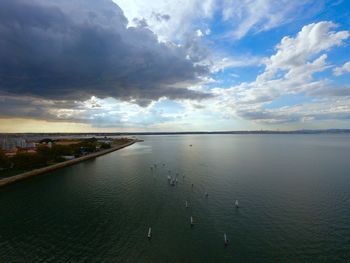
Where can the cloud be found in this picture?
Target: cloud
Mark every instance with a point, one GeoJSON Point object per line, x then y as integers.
{"type": "Point", "coordinates": [160, 17]}
{"type": "Point", "coordinates": [248, 16]}
{"type": "Point", "coordinates": [226, 62]}
{"type": "Point", "coordinates": [102, 113]}
{"type": "Point", "coordinates": [73, 50]}
{"type": "Point", "coordinates": [242, 17]}
{"type": "Point", "coordinates": [170, 20]}
{"type": "Point", "coordinates": [89, 61]}
{"type": "Point", "coordinates": [290, 72]}
{"type": "Point", "coordinates": [293, 54]}
{"type": "Point", "coordinates": [338, 71]}
{"type": "Point", "coordinates": [330, 109]}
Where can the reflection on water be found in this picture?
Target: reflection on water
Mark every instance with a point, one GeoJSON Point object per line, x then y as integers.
{"type": "Point", "coordinates": [293, 193]}
{"type": "Point", "coordinates": [137, 149]}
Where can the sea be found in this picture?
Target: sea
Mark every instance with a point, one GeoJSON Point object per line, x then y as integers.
{"type": "Point", "coordinates": [293, 192]}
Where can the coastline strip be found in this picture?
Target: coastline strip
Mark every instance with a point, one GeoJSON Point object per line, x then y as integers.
{"type": "Point", "coordinates": [50, 168]}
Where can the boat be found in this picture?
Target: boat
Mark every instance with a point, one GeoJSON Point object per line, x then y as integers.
{"type": "Point", "coordinates": [206, 194]}
{"type": "Point", "coordinates": [225, 240]}
{"type": "Point", "coordinates": [191, 221]}
{"type": "Point", "coordinates": [149, 235]}
{"type": "Point", "coordinates": [236, 204]}
{"type": "Point", "coordinates": [186, 204]}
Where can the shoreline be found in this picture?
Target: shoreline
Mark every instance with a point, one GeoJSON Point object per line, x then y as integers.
{"type": "Point", "coordinates": [50, 168]}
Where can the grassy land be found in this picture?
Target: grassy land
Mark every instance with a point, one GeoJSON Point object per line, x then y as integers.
{"type": "Point", "coordinates": [121, 141]}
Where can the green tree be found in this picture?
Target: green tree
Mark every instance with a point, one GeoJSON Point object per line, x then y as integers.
{"type": "Point", "coordinates": [105, 145]}
{"type": "Point", "coordinates": [43, 150]}
{"type": "Point", "coordinates": [27, 161]}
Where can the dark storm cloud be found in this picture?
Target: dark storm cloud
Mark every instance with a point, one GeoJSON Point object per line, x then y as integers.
{"type": "Point", "coordinates": [27, 107]}
{"type": "Point", "coordinates": [72, 49]}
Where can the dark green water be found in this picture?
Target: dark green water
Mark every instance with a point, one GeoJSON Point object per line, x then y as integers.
{"type": "Point", "coordinates": [294, 193]}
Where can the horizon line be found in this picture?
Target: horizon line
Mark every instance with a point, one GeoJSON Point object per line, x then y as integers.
{"type": "Point", "coordinates": [339, 130]}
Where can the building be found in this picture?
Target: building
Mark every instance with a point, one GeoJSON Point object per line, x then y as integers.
{"type": "Point", "coordinates": [10, 143]}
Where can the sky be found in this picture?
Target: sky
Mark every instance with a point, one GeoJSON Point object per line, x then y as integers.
{"type": "Point", "coordinates": [174, 65]}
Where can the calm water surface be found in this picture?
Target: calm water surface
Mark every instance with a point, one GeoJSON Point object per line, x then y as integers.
{"type": "Point", "coordinates": [294, 193]}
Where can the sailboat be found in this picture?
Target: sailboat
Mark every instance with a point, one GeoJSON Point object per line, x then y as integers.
{"type": "Point", "coordinates": [149, 235]}
{"type": "Point", "coordinates": [225, 240]}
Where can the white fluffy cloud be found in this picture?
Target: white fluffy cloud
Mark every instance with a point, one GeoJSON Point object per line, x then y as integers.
{"type": "Point", "coordinates": [290, 71]}
{"type": "Point", "coordinates": [293, 54]}
{"type": "Point", "coordinates": [170, 20]}
{"type": "Point", "coordinates": [343, 69]}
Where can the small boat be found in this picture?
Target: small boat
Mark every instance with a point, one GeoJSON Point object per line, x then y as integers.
{"type": "Point", "coordinates": [149, 235]}
{"type": "Point", "coordinates": [186, 204]}
{"type": "Point", "coordinates": [236, 204]}
{"type": "Point", "coordinates": [225, 240]}
{"type": "Point", "coordinates": [206, 194]}
{"type": "Point", "coordinates": [190, 145]}
{"type": "Point", "coordinates": [191, 221]}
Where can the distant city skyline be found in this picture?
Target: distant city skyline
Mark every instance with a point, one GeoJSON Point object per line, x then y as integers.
{"type": "Point", "coordinates": [172, 66]}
